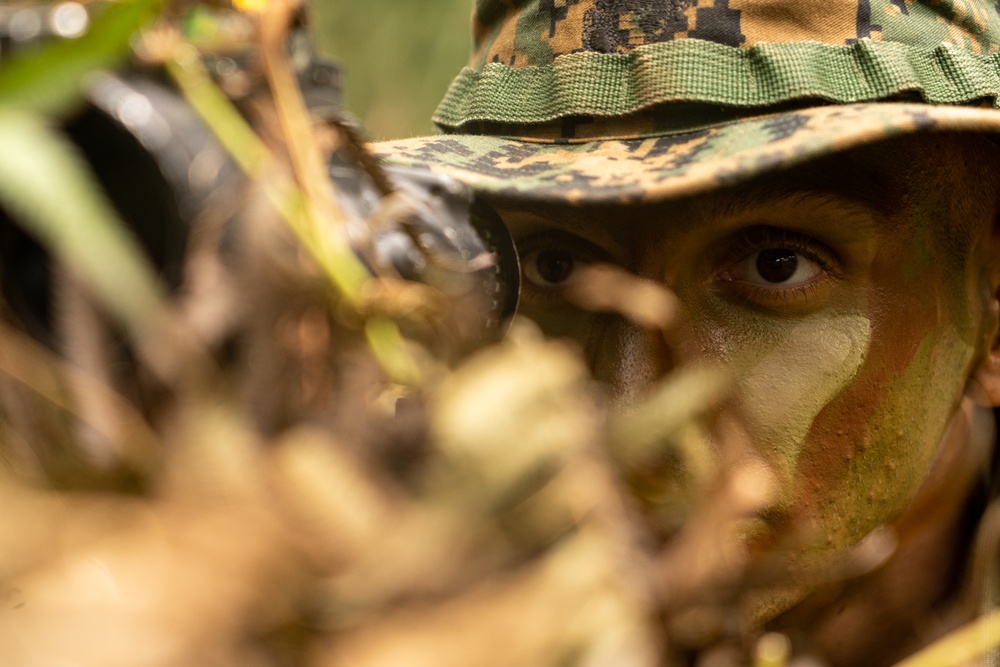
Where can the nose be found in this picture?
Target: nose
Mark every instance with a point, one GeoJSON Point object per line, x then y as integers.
{"type": "Point", "coordinates": [627, 359]}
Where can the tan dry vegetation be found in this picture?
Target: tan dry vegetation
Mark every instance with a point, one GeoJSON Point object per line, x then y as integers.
{"type": "Point", "coordinates": [276, 478]}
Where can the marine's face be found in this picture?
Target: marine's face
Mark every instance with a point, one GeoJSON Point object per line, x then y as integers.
{"type": "Point", "coordinates": [851, 297]}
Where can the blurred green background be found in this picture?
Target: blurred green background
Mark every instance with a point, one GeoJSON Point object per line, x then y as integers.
{"type": "Point", "coordinates": [398, 57]}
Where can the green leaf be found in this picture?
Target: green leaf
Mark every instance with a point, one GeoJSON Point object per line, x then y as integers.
{"type": "Point", "coordinates": [49, 188]}
{"type": "Point", "coordinates": [51, 80]}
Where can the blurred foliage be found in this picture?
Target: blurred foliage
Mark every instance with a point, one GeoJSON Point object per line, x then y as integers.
{"type": "Point", "coordinates": [234, 472]}
{"type": "Point", "coordinates": [398, 58]}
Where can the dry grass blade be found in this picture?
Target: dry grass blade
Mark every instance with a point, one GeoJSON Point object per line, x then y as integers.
{"type": "Point", "coordinates": [257, 161]}
{"type": "Point", "coordinates": [605, 288]}
{"type": "Point", "coordinates": [962, 647]}
{"type": "Point", "coordinates": [685, 396]}
{"type": "Point", "coordinates": [510, 411]}
{"type": "Point", "coordinates": [323, 217]}
{"type": "Point", "coordinates": [115, 419]}
{"type": "Point", "coordinates": [309, 209]}
{"type": "Point", "coordinates": [708, 556]}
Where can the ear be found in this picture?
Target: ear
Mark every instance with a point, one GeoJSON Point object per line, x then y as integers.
{"type": "Point", "coordinates": [987, 373]}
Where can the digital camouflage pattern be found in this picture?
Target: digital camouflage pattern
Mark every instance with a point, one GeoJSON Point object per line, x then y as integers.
{"type": "Point", "coordinates": [638, 100]}
{"type": "Point", "coordinates": [659, 167]}
{"type": "Point", "coordinates": [523, 33]}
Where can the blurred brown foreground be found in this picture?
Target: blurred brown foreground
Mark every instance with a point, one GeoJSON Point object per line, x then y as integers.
{"type": "Point", "coordinates": [283, 464]}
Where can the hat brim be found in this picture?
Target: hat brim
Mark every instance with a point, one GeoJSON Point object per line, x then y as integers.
{"type": "Point", "coordinates": [658, 168]}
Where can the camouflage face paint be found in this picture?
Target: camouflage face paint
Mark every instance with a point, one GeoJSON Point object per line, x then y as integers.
{"type": "Point", "coordinates": [790, 371]}
{"type": "Point", "coordinates": [847, 379]}
{"type": "Point", "coordinates": [870, 448]}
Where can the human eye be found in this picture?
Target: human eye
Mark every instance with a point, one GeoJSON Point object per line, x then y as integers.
{"type": "Point", "coordinates": [777, 268]}
{"type": "Point", "coordinates": [552, 260]}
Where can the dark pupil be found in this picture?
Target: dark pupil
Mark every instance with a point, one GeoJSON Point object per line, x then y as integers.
{"type": "Point", "coordinates": [776, 265]}
{"type": "Point", "coordinates": [554, 266]}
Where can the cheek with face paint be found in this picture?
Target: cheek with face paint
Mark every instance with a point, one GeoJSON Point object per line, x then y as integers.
{"type": "Point", "coordinates": [862, 434]}
{"type": "Point", "coordinates": [847, 403]}
{"type": "Point", "coordinates": [847, 386]}
{"type": "Point", "coordinates": [869, 449]}
{"type": "Point", "coordinates": [788, 370]}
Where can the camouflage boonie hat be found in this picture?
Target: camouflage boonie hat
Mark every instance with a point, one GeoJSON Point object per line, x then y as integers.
{"type": "Point", "coordinates": [640, 100]}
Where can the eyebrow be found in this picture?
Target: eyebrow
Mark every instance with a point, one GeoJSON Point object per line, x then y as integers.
{"type": "Point", "coordinates": [863, 187]}
{"type": "Point", "coordinates": [573, 219]}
